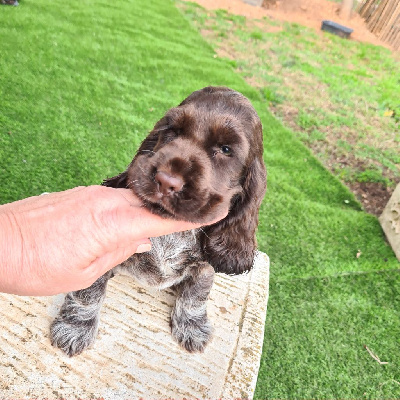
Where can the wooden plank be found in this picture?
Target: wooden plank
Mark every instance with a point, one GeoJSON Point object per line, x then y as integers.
{"type": "Point", "coordinates": [382, 23]}
{"type": "Point", "coordinates": [395, 40]}
{"type": "Point", "coordinates": [392, 21]}
{"type": "Point", "coordinates": [377, 15]}
{"type": "Point", "coordinates": [366, 8]}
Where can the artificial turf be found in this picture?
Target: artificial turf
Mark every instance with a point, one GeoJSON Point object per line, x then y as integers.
{"type": "Point", "coordinates": [81, 84]}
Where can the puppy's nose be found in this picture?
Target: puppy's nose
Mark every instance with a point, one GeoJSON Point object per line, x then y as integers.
{"type": "Point", "coordinates": [168, 184]}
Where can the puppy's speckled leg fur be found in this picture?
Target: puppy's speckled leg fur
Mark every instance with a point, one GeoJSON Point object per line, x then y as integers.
{"type": "Point", "coordinates": [190, 325]}
{"type": "Point", "coordinates": [75, 327]}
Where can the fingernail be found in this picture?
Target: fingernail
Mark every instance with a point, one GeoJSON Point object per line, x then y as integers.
{"type": "Point", "coordinates": [142, 248]}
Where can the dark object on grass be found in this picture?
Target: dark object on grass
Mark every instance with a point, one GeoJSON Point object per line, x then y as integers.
{"type": "Point", "coordinates": [9, 2]}
{"type": "Point", "coordinates": [336, 29]}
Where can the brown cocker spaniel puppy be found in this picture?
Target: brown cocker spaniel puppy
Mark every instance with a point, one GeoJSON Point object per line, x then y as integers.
{"type": "Point", "coordinates": [201, 158]}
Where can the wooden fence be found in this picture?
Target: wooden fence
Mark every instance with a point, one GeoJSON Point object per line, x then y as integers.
{"type": "Point", "coordinates": [383, 19]}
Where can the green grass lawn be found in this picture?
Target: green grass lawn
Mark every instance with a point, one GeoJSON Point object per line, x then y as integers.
{"type": "Point", "coordinates": [81, 84]}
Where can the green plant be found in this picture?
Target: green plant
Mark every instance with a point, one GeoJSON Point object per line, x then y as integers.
{"type": "Point", "coordinates": [271, 96]}
{"type": "Point", "coordinates": [371, 175]}
{"type": "Point", "coordinates": [256, 35]}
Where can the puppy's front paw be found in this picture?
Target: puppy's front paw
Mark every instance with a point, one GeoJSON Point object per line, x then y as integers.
{"type": "Point", "coordinates": [191, 334]}
{"type": "Point", "coordinates": [72, 337]}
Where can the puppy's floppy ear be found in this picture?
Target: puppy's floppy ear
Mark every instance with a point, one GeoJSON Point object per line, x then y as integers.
{"type": "Point", "coordinates": [151, 140]}
{"type": "Point", "coordinates": [230, 245]}
{"type": "Point", "coordinates": [119, 181]}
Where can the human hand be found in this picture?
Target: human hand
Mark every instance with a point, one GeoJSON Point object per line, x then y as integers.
{"type": "Point", "coordinates": [64, 241]}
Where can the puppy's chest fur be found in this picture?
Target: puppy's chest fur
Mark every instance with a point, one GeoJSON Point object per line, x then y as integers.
{"type": "Point", "coordinates": [167, 262]}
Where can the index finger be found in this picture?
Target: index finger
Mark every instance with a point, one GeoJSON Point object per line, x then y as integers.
{"type": "Point", "coordinates": [152, 225]}
{"type": "Point", "coordinates": [145, 224]}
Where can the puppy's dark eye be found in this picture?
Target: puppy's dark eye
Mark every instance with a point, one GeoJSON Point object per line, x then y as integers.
{"type": "Point", "coordinates": [226, 150]}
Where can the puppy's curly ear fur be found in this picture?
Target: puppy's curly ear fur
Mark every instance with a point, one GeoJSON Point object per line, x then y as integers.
{"type": "Point", "coordinates": [230, 245]}
{"type": "Point", "coordinates": [119, 181]}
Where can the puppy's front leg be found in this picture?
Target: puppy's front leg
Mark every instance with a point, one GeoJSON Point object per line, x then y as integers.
{"type": "Point", "coordinates": [190, 325]}
{"type": "Point", "coordinates": [75, 327]}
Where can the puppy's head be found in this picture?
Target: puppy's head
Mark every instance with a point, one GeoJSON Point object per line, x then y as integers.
{"type": "Point", "coordinates": [203, 158]}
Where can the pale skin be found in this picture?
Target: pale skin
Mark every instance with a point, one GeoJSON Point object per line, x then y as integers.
{"type": "Point", "coordinates": [64, 241]}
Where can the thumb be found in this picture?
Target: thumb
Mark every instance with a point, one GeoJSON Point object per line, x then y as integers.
{"type": "Point", "coordinates": [118, 255]}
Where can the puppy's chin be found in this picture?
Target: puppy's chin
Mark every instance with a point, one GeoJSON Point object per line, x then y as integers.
{"type": "Point", "coordinates": [207, 213]}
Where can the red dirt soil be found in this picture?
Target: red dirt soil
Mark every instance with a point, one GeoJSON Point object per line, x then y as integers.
{"type": "Point", "coordinates": [309, 13]}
